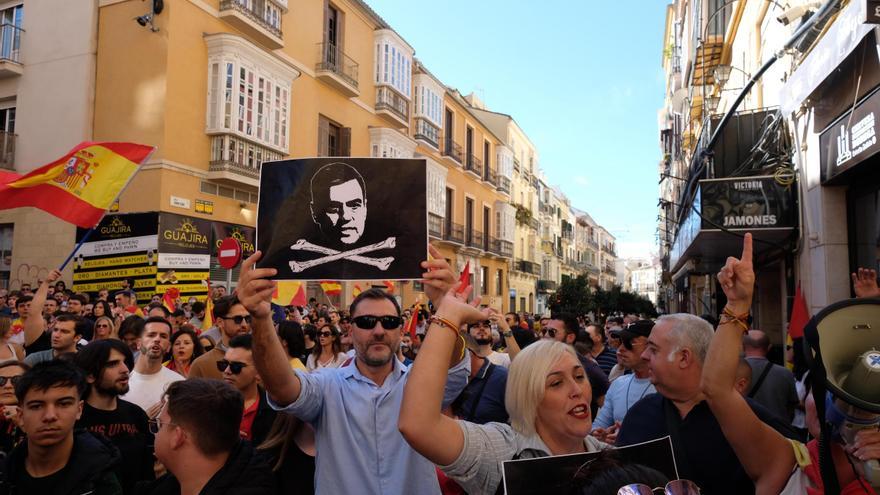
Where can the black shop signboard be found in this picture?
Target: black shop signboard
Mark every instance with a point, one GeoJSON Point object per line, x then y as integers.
{"type": "Point", "coordinates": [157, 250]}
{"type": "Point", "coordinates": [122, 247]}
{"type": "Point", "coordinates": [850, 140]}
{"type": "Point", "coordinates": [749, 203]}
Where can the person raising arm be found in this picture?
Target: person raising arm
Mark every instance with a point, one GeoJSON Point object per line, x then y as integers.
{"type": "Point", "coordinates": [35, 324]}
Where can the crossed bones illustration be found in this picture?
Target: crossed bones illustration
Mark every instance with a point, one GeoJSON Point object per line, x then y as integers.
{"type": "Point", "coordinates": [333, 255]}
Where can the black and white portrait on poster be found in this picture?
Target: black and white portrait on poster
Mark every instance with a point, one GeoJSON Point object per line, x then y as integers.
{"type": "Point", "coordinates": [343, 218]}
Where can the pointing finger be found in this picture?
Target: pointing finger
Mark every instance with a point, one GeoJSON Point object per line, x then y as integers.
{"type": "Point", "coordinates": [747, 248]}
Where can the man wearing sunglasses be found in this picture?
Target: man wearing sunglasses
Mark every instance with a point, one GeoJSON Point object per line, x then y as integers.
{"type": "Point", "coordinates": [354, 409]}
{"type": "Point", "coordinates": [628, 389]}
{"type": "Point", "coordinates": [563, 328]}
{"type": "Point", "coordinates": [232, 319]}
{"type": "Point", "coordinates": [239, 371]}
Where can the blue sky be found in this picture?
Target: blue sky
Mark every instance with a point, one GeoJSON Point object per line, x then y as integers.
{"type": "Point", "coordinates": [582, 78]}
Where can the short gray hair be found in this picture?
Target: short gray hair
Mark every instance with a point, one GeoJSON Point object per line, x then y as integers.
{"type": "Point", "coordinates": [689, 331]}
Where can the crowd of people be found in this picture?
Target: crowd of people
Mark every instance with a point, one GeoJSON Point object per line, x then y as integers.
{"type": "Point", "coordinates": [108, 395]}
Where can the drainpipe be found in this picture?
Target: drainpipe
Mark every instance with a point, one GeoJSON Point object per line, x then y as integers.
{"type": "Point", "coordinates": [759, 89]}
{"type": "Point", "coordinates": [734, 30]}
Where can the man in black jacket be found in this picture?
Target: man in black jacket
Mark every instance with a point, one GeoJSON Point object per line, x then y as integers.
{"type": "Point", "coordinates": [239, 371]}
{"type": "Point", "coordinates": [106, 364]}
{"type": "Point", "coordinates": [198, 441]}
{"type": "Point", "coordinates": [56, 460]}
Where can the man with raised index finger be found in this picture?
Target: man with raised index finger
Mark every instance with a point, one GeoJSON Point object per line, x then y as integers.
{"type": "Point", "coordinates": [354, 409]}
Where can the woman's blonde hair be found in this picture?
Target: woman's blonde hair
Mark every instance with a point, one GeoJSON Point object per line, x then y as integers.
{"type": "Point", "coordinates": [5, 327]}
{"type": "Point", "coordinates": [113, 330]}
{"type": "Point", "coordinates": [526, 382]}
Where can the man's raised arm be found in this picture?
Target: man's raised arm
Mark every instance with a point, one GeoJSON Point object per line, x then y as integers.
{"type": "Point", "coordinates": [255, 294]}
{"type": "Point", "coordinates": [35, 324]}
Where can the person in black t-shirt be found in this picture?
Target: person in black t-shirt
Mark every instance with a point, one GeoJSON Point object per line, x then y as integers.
{"type": "Point", "coordinates": [106, 364]}
{"type": "Point", "coordinates": [55, 459]}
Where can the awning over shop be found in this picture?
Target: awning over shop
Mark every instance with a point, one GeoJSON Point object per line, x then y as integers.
{"type": "Point", "coordinates": [766, 206]}
{"type": "Point", "coordinates": [841, 39]}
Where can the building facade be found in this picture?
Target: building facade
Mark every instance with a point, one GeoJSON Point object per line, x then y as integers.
{"type": "Point", "coordinates": [793, 172]}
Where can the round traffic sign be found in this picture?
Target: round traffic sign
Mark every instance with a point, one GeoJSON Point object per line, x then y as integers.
{"type": "Point", "coordinates": [229, 253]}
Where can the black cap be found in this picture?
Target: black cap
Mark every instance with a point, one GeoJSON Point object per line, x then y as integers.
{"type": "Point", "coordinates": [640, 328]}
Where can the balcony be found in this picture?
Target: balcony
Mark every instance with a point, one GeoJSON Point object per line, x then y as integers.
{"type": "Point", "coordinates": [453, 150]}
{"type": "Point", "coordinates": [435, 226]}
{"type": "Point", "coordinates": [527, 267]}
{"type": "Point", "coordinates": [427, 132]}
{"type": "Point", "coordinates": [474, 239]}
{"type": "Point", "coordinates": [490, 177]}
{"type": "Point", "coordinates": [546, 208]}
{"type": "Point", "coordinates": [568, 235]}
{"type": "Point", "coordinates": [593, 243]}
{"type": "Point", "coordinates": [258, 19]}
{"type": "Point", "coordinates": [474, 165]}
{"type": "Point", "coordinates": [516, 166]}
{"type": "Point", "coordinates": [7, 150]}
{"type": "Point", "coordinates": [337, 69]}
{"type": "Point", "coordinates": [503, 185]}
{"type": "Point", "coordinates": [501, 247]}
{"type": "Point", "coordinates": [608, 270]}
{"type": "Point", "coordinates": [392, 106]}
{"type": "Point", "coordinates": [10, 43]}
{"type": "Point", "coordinates": [547, 286]}
{"type": "Point", "coordinates": [534, 224]}
{"type": "Point", "coordinates": [237, 162]}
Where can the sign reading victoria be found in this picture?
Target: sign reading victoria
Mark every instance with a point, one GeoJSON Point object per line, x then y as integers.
{"type": "Point", "coordinates": [851, 139]}
{"type": "Point", "coordinates": [748, 203]}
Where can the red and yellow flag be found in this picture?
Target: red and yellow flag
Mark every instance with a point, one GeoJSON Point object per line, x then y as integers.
{"type": "Point", "coordinates": [330, 287]}
{"type": "Point", "coordinates": [289, 293]}
{"type": "Point", "coordinates": [389, 286]}
{"type": "Point", "coordinates": [169, 299]}
{"type": "Point", "coordinates": [413, 321]}
{"type": "Point", "coordinates": [356, 291]}
{"type": "Point", "coordinates": [78, 187]}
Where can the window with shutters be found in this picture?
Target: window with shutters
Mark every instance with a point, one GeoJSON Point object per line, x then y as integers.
{"type": "Point", "coordinates": [333, 138]}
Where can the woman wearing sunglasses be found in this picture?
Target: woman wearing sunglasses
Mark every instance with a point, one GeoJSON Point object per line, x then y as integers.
{"type": "Point", "coordinates": [547, 398]}
{"type": "Point", "coordinates": [10, 422]}
{"type": "Point", "coordinates": [105, 328]}
{"type": "Point", "coordinates": [328, 353]}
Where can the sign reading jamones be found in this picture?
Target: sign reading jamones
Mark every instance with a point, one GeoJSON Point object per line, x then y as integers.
{"type": "Point", "coordinates": [749, 203]}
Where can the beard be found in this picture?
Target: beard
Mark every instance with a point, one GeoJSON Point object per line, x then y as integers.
{"type": "Point", "coordinates": [363, 352]}
{"type": "Point", "coordinates": [483, 341]}
{"type": "Point", "coordinates": [111, 390]}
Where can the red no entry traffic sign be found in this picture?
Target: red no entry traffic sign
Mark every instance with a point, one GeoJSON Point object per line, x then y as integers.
{"type": "Point", "coordinates": [229, 253]}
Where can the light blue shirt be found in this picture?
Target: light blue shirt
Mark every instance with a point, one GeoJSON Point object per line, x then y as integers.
{"type": "Point", "coordinates": [623, 393]}
{"type": "Point", "coordinates": [359, 448]}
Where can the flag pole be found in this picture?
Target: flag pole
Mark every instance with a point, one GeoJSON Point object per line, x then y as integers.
{"type": "Point", "coordinates": [76, 248]}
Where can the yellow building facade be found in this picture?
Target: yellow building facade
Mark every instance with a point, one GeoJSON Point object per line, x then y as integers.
{"type": "Point", "coordinates": [221, 85]}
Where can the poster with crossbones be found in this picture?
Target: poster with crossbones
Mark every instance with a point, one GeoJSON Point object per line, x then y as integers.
{"type": "Point", "coordinates": [343, 218]}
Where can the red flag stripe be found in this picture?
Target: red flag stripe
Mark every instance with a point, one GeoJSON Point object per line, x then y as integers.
{"type": "Point", "coordinates": [45, 197]}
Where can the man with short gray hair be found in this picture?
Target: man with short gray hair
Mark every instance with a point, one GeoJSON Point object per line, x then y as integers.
{"type": "Point", "coordinates": [675, 353]}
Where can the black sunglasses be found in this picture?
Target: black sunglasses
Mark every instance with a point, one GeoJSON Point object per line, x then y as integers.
{"type": "Point", "coordinates": [326, 334]}
{"type": "Point", "coordinates": [368, 322]}
{"type": "Point", "coordinates": [13, 379]}
{"type": "Point", "coordinates": [551, 332]}
{"type": "Point", "coordinates": [238, 319]}
{"type": "Point", "coordinates": [234, 366]}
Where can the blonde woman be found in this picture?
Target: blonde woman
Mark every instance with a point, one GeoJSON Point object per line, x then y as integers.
{"type": "Point", "coordinates": [8, 350]}
{"type": "Point", "coordinates": [105, 328]}
{"type": "Point", "coordinates": [547, 398]}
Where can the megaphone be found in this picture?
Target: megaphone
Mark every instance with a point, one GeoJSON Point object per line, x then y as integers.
{"type": "Point", "coordinates": [841, 346]}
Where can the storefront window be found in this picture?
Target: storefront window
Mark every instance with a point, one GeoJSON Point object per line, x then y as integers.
{"type": "Point", "coordinates": [864, 225]}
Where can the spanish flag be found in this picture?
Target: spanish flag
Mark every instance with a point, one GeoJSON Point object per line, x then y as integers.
{"type": "Point", "coordinates": [169, 299]}
{"type": "Point", "coordinates": [356, 291]}
{"type": "Point", "coordinates": [331, 288]}
{"type": "Point", "coordinates": [389, 286]}
{"type": "Point", "coordinates": [413, 321]}
{"type": "Point", "coordinates": [78, 187]}
{"type": "Point", "coordinates": [289, 293]}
